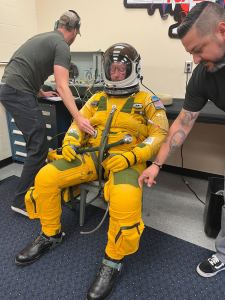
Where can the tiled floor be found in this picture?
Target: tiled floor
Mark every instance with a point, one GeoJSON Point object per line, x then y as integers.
{"type": "Point", "coordinates": [12, 169]}
{"type": "Point", "coordinates": [169, 206]}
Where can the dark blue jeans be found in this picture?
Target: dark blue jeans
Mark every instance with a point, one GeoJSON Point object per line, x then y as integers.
{"type": "Point", "coordinates": [27, 114]}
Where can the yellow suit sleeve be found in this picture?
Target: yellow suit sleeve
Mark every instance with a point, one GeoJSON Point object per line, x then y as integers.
{"type": "Point", "coordinates": [73, 136]}
{"type": "Point", "coordinates": [157, 129]}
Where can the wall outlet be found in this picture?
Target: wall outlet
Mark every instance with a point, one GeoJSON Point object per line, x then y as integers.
{"type": "Point", "coordinates": [188, 66]}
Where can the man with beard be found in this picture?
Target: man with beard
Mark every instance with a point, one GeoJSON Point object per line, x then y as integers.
{"type": "Point", "coordinates": [202, 34]}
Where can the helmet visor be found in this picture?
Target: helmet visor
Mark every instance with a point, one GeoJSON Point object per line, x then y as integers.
{"type": "Point", "coordinates": [117, 67]}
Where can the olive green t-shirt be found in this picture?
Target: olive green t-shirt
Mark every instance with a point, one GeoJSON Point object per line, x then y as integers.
{"type": "Point", "coordinates": [34, 61]}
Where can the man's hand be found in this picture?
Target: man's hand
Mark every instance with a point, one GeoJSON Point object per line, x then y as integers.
{"type": "Point", "coordinates": [48, 94]}
{"type": "Point", "coordinates": [85, 125]}
{"type": "Point", "coordinates": [148, 176]}
{"type": "Point", "coordinates": [118, 162]}
{"type": "Point", "coordinates": [68, 152]}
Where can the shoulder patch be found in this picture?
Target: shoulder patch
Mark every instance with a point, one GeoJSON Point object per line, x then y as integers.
{"type": "Point", "coordinates": [157, 102]}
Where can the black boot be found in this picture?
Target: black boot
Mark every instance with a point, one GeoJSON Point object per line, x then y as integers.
{"type": "Point", "coordinates": [105, 280]}
{"type": "Point", "coordinates": [36, 249]}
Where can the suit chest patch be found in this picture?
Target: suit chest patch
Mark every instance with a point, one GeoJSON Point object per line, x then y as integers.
{"type": "Point", "coordinates": [137, 105]}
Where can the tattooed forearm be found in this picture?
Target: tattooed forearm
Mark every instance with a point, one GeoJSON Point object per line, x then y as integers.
{"type": "Point", "coordinates": [177, 140]}
{"type": "Point", "coordinates": [178, 132]}
{"type": "Point", "coordinates": [187, 118]}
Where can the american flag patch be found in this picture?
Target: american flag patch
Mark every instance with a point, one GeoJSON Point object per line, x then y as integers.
{"type": "Point", "coordinates": [157, 102]}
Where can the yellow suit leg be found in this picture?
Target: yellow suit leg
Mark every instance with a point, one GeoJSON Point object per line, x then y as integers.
{"type": "Point", "coordinates": [49, 182]}
{"type": "Point", "coordinates": [125, 225]}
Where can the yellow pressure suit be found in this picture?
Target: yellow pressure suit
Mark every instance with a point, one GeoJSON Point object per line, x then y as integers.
{"type": "Point", "coordinates": [140, 115]}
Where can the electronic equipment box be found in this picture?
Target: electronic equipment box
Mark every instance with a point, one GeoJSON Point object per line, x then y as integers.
{"type": "Point", "coordinates": [89, 67]}
{"type": "Point", "coordinates": [85, 74]}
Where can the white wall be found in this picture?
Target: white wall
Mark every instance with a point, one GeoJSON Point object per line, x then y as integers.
{"type": "Point", "coordinates": [17, 24]}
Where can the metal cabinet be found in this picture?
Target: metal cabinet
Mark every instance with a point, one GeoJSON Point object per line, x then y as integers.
{"type": "Point", "coordinates": [57, 119]}
{"type": "Point", "coordinates": [88, 77]}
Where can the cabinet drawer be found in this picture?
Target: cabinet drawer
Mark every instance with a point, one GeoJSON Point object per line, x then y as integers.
{"type": "Point", "coordinates": [57, 120]}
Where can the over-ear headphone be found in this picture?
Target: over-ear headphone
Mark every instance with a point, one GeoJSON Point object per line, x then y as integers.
{"type": "Point", "coordinates": [138, 66]}
{"type": "Point", "coordinates": [71, 24]}
{"type": "Point", "coordinates": [56, 25]}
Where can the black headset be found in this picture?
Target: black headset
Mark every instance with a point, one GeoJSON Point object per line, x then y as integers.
{"type": "Point", "coordinates": [69, 25]}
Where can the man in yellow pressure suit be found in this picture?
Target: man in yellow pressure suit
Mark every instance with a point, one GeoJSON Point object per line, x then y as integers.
{"type": "Point", "coordinates": [134, 124]}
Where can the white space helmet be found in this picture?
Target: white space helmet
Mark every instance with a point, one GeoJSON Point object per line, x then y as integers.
{"type": "Point", "coordinates": [126, 55]}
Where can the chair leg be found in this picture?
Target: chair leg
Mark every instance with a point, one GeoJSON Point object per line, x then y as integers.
{"type": "Point", "coordinates": [83, 198]}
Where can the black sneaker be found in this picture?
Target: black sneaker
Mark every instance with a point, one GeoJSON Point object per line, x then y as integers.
{"type": "Point", "coordinates": [210, 267]}
{"type": "Point", "coordinates": [20, 210]}
{"type": "Point", "coordinates": [36, 249]}
{"type": "Point", "coordinates": [104, 280]}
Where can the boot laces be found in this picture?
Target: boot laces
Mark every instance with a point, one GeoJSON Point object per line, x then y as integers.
{"type": "Point", "coordinates": [106, 271]}
{"type": "Point", "coordinates": [214, 260]}
{"type": "Point", "coordinates": [39, 240]}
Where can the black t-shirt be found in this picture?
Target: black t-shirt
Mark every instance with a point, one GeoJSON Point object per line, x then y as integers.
{"type": "Point", "coordinates": [34, 61]}
{"type": "Point", "coordinates": [204, 86]}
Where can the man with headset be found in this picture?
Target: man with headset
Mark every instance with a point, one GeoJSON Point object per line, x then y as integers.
{"type": "Point", "coordinates": [40, 56]}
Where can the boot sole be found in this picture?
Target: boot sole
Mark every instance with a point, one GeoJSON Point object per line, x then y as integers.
{"type": "Point", "coordinates": [19, 211]}
{"type": "Point", "coordinates": [207, 275]}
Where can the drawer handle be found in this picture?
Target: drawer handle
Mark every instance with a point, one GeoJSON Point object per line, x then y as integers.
{"type": "Point", "coordinates": [17, 132]}
{"type": "Point", "coordinates": [48, 125]}
{"type": "Point", "coordinates": [20, 143]}
{"type": "Point", "coordinates": [21, 154]}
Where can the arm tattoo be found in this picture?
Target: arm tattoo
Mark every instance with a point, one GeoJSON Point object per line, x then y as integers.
{"type": "Point", "coordinates": [177, 140]}
{"type": "Point", "coordinates": [188, 118]}
{"type": "Point", "coordinates": [185, 122]}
